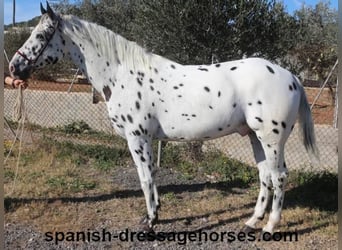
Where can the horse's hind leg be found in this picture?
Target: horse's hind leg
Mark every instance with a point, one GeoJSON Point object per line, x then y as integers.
{"type": "Point", "coordinates": [265, 183]}
{"type": "Point", "coordinates": [269, 154]}
{"type": "Point", "coordinates": [141, 150]}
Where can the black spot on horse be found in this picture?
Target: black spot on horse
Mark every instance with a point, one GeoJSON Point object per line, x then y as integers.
{"type": "Point", "coordinates": [203, 69]}
{"type": "Point", "coordinates": [290, 87]}
{"type": "Point", "coordinates": [217, 65]}
{"type": "Point", "coordinates": [274, 122]}
{"type": "Point", "coordinates": [294, 86]}
{"type": "Point", "coordinates": [107, 92]}
{"type": "Point", "coordinates": [139, 95]}
{"type": "Point", "coordinates": [151, 80]}
{"type": "Point", "coordinates": [219, 94]}
{"type": "Point", "coordinates": [142, 74]}
{"type": "Point", "coordinates": [107, 63]}
{"type": "Point", "coordinates": [234, 105]}
{"type": "Point", "coordinates": [259, 102]}
{"type": "Point", "coordinates": [173, 66]}
{"type": "Point", "coordinates": [276, 131]}
{"type": "Point", "coordinates": [175, 87]}
{"type": "Point", "coordinates": [233, 68]}
{"type": "Point", "coordinates": [123, 118]}
{"type": "Point", "coordinates": [283, 124]}
{"type": "Point", "coordinates": [137, 105]}
{"type": "Point", "coordinates": [259, 119]}
{"type": "Point", "coordinates": [270, 69]}
{"type": "Point", "coordinates": [139, 81]}
{"type": "Point", "coordinates": [131, 71]}
{"type": "Point", "coordinates": [206, 89]}
{"type": "Point", "coordinates": [129, 118]}
{"type": "Point", "coordinates": [262, 199]}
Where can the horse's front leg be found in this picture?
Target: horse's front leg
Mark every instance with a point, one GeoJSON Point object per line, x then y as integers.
{"type": "Point", "coordinates": [141, 150]}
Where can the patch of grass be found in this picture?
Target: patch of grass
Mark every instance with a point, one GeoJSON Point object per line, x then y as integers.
{"type": "Point", "coordinates": [73, 184]}
{"type": "Point", "coordinates": [7, 147]}
{"type": "Point", "coordinates": [229, 169]}
{"type": "Point", "coordinates": [101, 156]}
{"type": "Point", "coordinates": [8, 175]}
{"type": "Point", "coordinates": [172, 155]}
{"type": "Point", "coordinates": [211, 163]}
{"type": "Point", "coordinates": [77, 127]}
{"type": "Point", "coordinates": [316, 190]}
{"type": "Point", "coordinates": [169, 197]}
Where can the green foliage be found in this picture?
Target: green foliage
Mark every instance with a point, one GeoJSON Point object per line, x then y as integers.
{"type": "Point", "coordinates": [228, 169]}
{"type": "Point", "coordinates": [102, 157]}
{"type": "Point", "coordinates": [202, 32]}
{"type": "Point", "coordinates": [77, 127]}
{"type": "Point", "coordinates": [199, 32]}
{"type": "Point", "coordinates": [75, 184]}
{"type": "Point", "coordinates": [316, 47]}
{"type": "Point", "coordinates": [319, 189]}
{"type": "Point", "coordinates": [213, 163]}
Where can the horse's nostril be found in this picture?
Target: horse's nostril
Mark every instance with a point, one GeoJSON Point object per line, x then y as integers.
{"type": "Point", "coordinates": [12, 68]}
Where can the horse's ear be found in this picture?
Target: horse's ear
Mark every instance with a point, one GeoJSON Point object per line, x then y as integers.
{"type": "Point", "coordinates": [42, 10]}
{"type": "Point", "coordinates": [49, 11]}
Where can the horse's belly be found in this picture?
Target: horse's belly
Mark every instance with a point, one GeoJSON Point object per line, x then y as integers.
{"type": "Point", "coordinates": [196, 129]}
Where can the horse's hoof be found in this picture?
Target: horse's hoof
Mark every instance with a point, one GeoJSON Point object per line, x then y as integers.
{"type": "Point", "coordinates": [247, 229]}
{"type": "Point", "coordinates": [265, 236]}
{"type": "Point", "coordinates": [146, 225]}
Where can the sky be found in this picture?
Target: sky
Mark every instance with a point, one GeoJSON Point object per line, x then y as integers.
{"type": "Point", "coordinates": [27, 9]}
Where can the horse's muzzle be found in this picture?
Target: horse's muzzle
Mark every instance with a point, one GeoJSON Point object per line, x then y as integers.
{"type": "Point", "coordinates": [22, 73]}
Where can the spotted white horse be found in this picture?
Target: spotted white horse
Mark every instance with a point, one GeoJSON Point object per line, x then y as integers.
{"type": "Point", "coordinates": [150, 97]}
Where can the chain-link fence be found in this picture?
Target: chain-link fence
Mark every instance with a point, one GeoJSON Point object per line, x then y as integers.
{"type": "Point", "coordinates": [53, 104]}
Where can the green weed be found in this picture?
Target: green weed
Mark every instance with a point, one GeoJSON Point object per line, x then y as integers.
{"type": "Point", "coordinates": [74, 184]}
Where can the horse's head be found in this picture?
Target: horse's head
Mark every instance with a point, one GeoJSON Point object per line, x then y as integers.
{"type": "Point", "coordinates": [43, 47]}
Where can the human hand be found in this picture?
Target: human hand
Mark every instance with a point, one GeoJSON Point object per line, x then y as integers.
{"type": "Point", "coordinates": [17, 82]}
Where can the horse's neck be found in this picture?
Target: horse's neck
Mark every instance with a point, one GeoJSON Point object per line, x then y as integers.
{"type": "Point", "coordinates": [94, 64]}
{"type": "Point", "coordinates": [99, 59]}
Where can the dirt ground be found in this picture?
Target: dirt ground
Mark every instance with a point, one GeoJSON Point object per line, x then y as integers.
{"type": "Point", "coordinates": [200, 206]}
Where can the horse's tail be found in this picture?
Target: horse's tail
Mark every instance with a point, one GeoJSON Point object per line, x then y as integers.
{"type": "Point", "coordinates": [306, 123]}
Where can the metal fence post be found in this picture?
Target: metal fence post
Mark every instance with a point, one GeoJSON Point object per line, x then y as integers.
{"type": "Point", "coordinates": [159, 153]}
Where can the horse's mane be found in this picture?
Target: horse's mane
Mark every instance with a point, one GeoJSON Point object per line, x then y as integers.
{"type": "Point", "coordinates": [115, 47]}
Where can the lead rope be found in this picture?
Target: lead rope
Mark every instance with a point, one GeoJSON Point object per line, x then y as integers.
{"type": "Point", "coordinates": [20, 117]}
{"type": "Point", "coordinates": [19, 107]}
